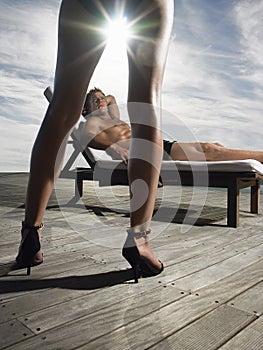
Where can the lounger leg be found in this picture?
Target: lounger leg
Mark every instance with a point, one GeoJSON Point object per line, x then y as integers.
{"type": "Point", "coordinates": [79, 186]}
{"type": "Point", "coordinates": [70, 162]}
{"type": "Point", "coordinates": [255, 198]}
{"type": "Point", "coordinates": [233, 206]}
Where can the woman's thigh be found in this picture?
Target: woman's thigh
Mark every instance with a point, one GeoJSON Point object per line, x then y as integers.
{"type": "Point", "coordinates": [147, 49]}
{"type": "Point", "coordinates": [80, 45]}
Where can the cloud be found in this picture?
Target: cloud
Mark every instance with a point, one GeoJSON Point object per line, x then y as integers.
{"type": "Point", "coordinates": [16, 143]}
{"type": "Point", "coordinates": [248, 16]}
{"type": "Point", "coordinates": [212, 80]}
{"type": "Point", "coordinates": [212, 87]}
{"type": "Point", "coordinates": [27, 57]}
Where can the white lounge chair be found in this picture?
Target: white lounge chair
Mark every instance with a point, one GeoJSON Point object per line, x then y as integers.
{"type": "Point", "coordinates": [232, 175]}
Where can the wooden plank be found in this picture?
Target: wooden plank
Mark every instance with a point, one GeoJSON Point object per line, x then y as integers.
{"type": "Point", "coordinates": [65, 291]}
{"type": "Point", "coordinates": [158, 325]}
{"type": "Point", "coordinates": [250, 338]}
{"type": "Point", "coordinates": [199, 269]}
{"type": "Point", "coordinates": [20, 306]}
{"type": "Point", "coordinates": [41, 279]}
{"type": "Point", "coordinates": [89, 327]}
{"type": "Point", "coordinates": [13, 332]}
{"type": "Point", "coordinates": [201, 240]}
{"type": "Point", "coordinates": [193, 261]}
{"type": "Point", "coordinates": [68, 301]}
{"type": "Point", "coordinates": [95, 303]}
{"type": "Point", "coordinates": [220, 270]}
{"type": "Point", "coordinates": [251, 300]}
{"type": "Point", "coordinates": [69, 277]}
{"type": "Point", "coordinates": [119, 324]}
{"type": "Point", "coordinates": [209, 332]}
{"type": "Point", "coordinates": [226, 289]}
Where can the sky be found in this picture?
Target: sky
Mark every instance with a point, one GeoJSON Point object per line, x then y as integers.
{"type": "Point", "coordinates": [212, 88]}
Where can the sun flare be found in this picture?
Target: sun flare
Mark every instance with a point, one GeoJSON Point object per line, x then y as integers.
{"type": "Point", "coordinates": [111, 73]}
{"type": "Point", "coordinates": [118, 31]}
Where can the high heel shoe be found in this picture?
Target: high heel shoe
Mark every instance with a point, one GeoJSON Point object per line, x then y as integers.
{"type": "Point", "coordinates": [140, 265]}
{"type": "Point", "coordinates": [29, 247]}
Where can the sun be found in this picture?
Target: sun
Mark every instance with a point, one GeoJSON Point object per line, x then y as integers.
{"type": "Point", "coordinates": [118, 31]}
{"type": "Point", "coordinates": [111, 73]}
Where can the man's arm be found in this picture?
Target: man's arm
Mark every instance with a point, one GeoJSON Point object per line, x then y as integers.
{"type": "Point", "coordinates": [113, 107]}
{"type": "Point", "coordinates": [93, 135]}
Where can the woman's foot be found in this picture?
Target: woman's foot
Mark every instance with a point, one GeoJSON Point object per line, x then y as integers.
{"type": "Point", "coordinates": [29, 253]}
{"type": "Point", "coordinates": [138, 252]}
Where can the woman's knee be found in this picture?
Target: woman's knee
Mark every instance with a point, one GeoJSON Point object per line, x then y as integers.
{"type": "Point", "coordinates": [144, 116]}
{"type": "Point", "coordinates": [61, 118]}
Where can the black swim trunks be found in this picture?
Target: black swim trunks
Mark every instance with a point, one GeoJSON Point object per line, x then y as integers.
{"type": "Point", "coordinates": [167, 146]}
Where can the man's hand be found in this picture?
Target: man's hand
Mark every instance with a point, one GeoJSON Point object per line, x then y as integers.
{"type": "Point", "coordinates": [118, 152]}
{"type": "Point", "coordinates": [113, 108]}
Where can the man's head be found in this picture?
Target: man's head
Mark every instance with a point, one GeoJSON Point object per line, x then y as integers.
{"type": "Point", "coordinates": [95, 100]}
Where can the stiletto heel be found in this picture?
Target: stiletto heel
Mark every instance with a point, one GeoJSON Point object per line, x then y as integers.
{"type": "Point", "coordinates": [140, 265]}
{"type": "Point", "coordinates": [131, 254]}
{"type": "Point", "coordinates": [29, 247]}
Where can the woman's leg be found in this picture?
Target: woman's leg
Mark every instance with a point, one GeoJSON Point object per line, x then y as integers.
{"type": "Point", "coordinates": [147, 52]}
{"type": "Point", "coordinates": [79, 49]}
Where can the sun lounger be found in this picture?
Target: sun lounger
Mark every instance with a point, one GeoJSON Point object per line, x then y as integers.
{"type": "Point", "coordinates": [232, 175]}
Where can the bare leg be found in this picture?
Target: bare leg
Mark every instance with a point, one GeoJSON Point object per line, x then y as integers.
{"type": "Point", "coordinates": [206, 151]}
{"type": "Point", "coordinates": [147, 56]}
{"type": "Point", "coordinates": [79, 50]}
{"type": "Point", "coordinates": [78, 53]}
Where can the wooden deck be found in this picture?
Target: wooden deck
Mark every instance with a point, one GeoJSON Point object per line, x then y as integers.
{"type": "Point", "coordinates": [208, 297]}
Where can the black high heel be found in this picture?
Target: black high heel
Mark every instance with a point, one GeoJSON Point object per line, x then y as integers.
{"type": "Point", "coordinates": [29, 247]}
{"type": "Point", "coordinates": [140, 265]}
{"type": "Point", "coordinates": [131, 254]}
{"type": "Point", "coordinates": [148, 270]}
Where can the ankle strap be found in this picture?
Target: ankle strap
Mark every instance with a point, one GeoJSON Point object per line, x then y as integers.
{"type": "Point", "coordinates": [140, 234]}
{"type": "Point", "coordinates": [24, 225]}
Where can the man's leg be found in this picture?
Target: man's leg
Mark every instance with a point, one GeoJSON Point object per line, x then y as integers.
{"type": "Point", "coordinates": [205, 151]}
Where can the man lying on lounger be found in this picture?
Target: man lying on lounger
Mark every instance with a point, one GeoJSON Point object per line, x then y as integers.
{"type": "Point", "coordinates": [105, 130]}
